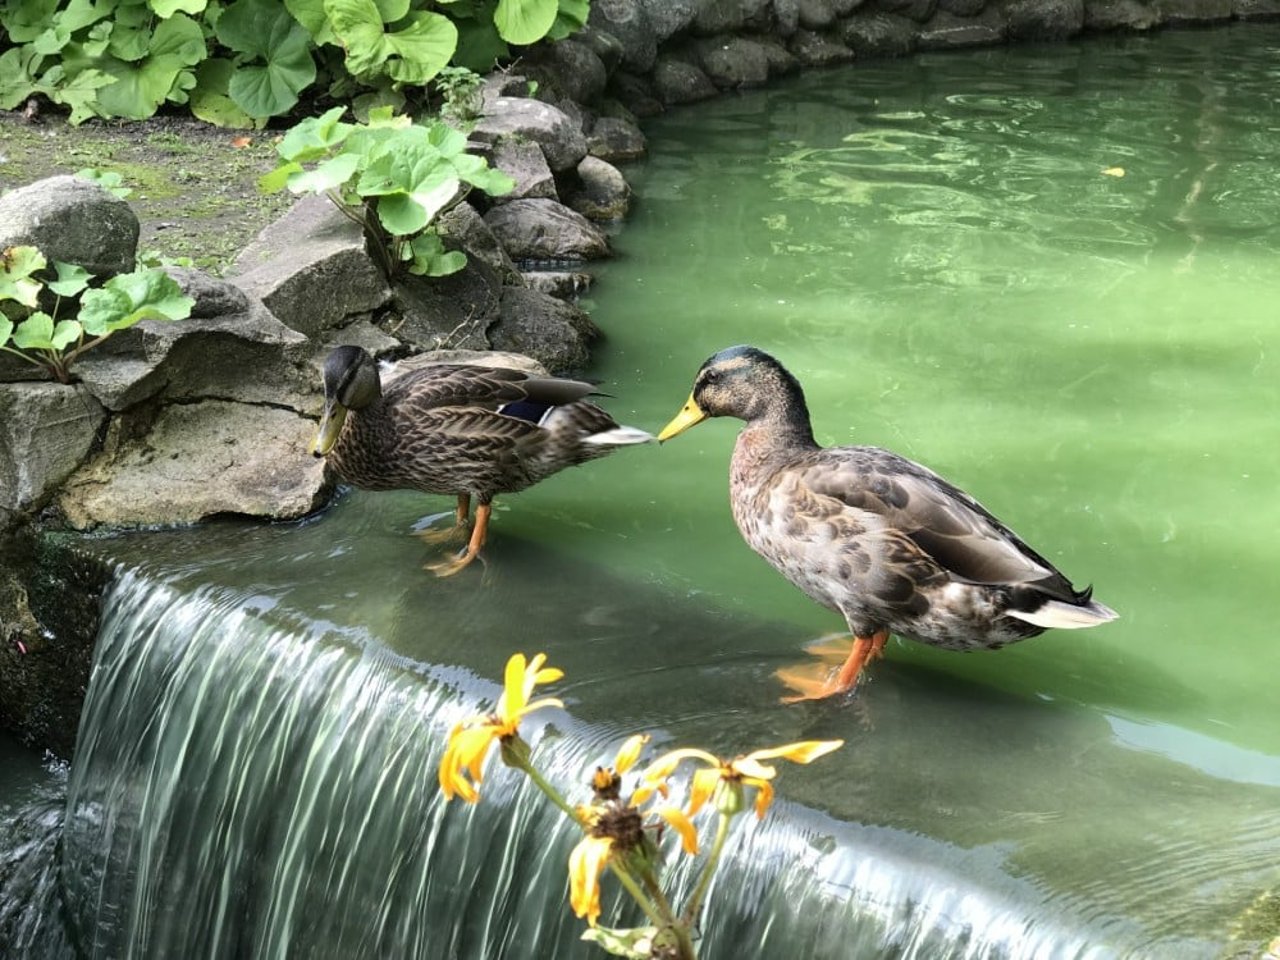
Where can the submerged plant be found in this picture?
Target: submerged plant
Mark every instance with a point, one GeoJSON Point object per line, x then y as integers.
{"type": "Point", "coordinates": [47, 340]}
{"type": "Point", "coordinates": [621, 836]}
{"type": "Point", "coordinates": [392, 176]}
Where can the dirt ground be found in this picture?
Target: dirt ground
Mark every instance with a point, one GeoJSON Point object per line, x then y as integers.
{"type": "Point", "coordinates": [194, 185]}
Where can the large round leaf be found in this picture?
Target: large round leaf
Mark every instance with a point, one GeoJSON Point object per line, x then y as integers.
{"type": "Point", "coordinates": [525, 21]}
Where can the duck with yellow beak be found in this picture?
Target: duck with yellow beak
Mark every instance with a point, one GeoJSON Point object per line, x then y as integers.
{"type": "Point", "coordinates": [883, 541]}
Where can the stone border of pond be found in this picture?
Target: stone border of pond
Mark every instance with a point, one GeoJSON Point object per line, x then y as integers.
{"type": "Point", "coordinates": [174, 423]}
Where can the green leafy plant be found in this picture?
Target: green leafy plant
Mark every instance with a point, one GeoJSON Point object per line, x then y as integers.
{"type": "Point", "coordinates": [392, 176]}
{"type": "Point", "coordinates": [109, 180]}
{"type": "Point", "coordinates": [241, 62]}
{"type": "Point", "coordinates": [54, 343]}
{"type": "Point", "coordinates": [460, 89]}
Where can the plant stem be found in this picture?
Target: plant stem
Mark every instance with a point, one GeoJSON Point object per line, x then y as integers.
{"type": "Point", "coordinates": [551, 792]}
{"type": "Point", "coordinates": [22, 355]}
{"type": "Point", "coordinates": [704, 881]}
{"type": "Point", "coordinates": [629, 883]}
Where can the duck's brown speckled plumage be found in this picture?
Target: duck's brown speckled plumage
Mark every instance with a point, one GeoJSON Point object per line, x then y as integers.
{"type": "Point", "coordinates": [442, 429]}
{"type": "Point", "coordinates": [882, 540]}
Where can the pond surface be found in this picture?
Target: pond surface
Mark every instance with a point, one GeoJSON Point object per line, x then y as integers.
{"type": "Point", "coordinates": [945, 253]}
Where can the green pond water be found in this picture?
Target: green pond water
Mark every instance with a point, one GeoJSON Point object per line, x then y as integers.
{"type": "Point", "coordinates": [933, 247]}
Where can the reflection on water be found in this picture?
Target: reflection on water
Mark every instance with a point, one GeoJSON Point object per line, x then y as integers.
{"type": "Point", "coordinates": [933, 247]}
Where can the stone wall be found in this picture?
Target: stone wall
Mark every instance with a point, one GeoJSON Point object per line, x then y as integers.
{"type": "Point", "coordinates": [650, 54]}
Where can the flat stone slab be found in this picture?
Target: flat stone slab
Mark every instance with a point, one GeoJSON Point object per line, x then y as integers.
{"type": "Point", "coordinates": [197, 461]}
{"type": "Point", "coordinates": [46, 429]}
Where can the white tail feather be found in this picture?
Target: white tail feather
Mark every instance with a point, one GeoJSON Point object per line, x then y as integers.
{"type": "Point", "coordinates": [1056, 615]}
{"type": "Point", "coordinates": [619, 437]}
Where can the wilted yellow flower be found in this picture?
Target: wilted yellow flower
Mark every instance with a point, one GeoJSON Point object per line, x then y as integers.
{"type": "Point", "coordinates": [470, 740]}
{"type": "Point", "coordinates": [741, 771]}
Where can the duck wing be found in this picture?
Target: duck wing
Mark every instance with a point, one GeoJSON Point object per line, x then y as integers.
{"type": "Point", "coordinates": [938, 519]}
{"type": "Point", "coordinates": [465, 385]}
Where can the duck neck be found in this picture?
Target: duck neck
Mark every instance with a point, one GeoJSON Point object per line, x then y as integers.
{"type": "Point", "coordinates": [774, 435]}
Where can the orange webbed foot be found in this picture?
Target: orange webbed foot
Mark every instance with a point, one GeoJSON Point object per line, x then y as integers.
{"type": "Point", "coordinates": [818, 681]}
{"type": "Point", "coordinates": [447, 568]}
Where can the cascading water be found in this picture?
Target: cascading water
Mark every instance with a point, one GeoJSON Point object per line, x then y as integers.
{"type": "Point", "coordinates": [251, 784]}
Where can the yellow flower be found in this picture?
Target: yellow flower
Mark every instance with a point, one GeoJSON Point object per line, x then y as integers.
{"type": "Point", "coordinates": [586, 863]}
{"type": "Point", "coordinates": [742, 771]}
{"type": "Point", "coordinates": [470, 740]}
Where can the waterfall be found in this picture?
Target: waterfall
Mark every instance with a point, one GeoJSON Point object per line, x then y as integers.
{"type": "Point", "coordinates": [248, 783]}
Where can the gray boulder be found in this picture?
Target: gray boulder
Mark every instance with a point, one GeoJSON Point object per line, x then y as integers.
{"type": "Point", "coordinates": [815, 14]}
{"type": "Point", "coordinates": [730, 16]}
{"type": "Point", "coordinates": [962, 8]}
{"type": "Point", "coordinates": [604, 45]}
{"type": "Point", "coordinates": [46, 430]}
{"type": "Point", "coordinates": [462, 228]}
{"type": "Point", "coordinates": [872, 34]}
{"type": "Point", "coordinates": [628, 22]}
{"type": "Point", "coordinates": [1192, 12]}
{"type": "Point", "coordinates": [601, 192]}
{"type": "Point", "coordinates": [636, 95]}
{"type": "Point", "coordinates": [676, 81]}
{"type": "Point", "coordinates": [566, 70]}
{"type": "Point", "coordinates": [73, 220]}
{"type": "Point", "coordinates": [616, 140]}
{"type": "Point", "coordinates": [453, 311]}
{"type": "Point", "coordinates": [311, 268]}
{"type": "Point", "coordinates": [781, 61]}
{"type": "Point", "coordinates": [550, 128]}
{"type": "Point", "coordinates": [1256, 9]}
{"type": "Point", "coordinates": [524, 162]}
{"type": "Point", "coordinates": [786, 18]}
{"type": "Point", "coordinates": [249, 356]}
{"type": "Point", "coordinates": [816, 50]}
{"type": "Point", "coordinates": [545, 230]}
{"type": "Point", "coordinates": [1050, 19]}
{"type": "Point", "coordinates": [363, 333]}
{"type": "Point", "coordinates": [1118, 15]}
{"type": "Point", "coordinates": [946, 31]}
{"type": "Point", "coordinates": [551, 331]}
{"type": "Point", "coordinates": [668, 17]}
{"type": "Point", "coordinates": [917, 10]}
{"type": "Point", "coordinates": [199, 460]}
{"type": "Point", "coordinates": [732, 62]}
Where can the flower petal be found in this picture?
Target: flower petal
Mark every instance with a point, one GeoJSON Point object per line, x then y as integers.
{"type": "Point", "coordinates": [629, 752]}
{"type": "Point", "coordinates": [548, 675]}
{"type": "Point", "coordinates": [683, 826]}
{"type": "Point", "coordinates": [704, 785]}
{"type": "Point", "coordinates": [665, 765]}
{"type": "Point", "coordinates": [586, 863]}
{"type": "Point", "coordinates": [751, 768]}
{"type": "Point", "coordinates": [539, 704]}
{"type": "Point", "coordinates": [764, 796]}
{"type": "Point", "coordinates": [804, 751]}
{"type": "Point", "coordinates": [514, 696]}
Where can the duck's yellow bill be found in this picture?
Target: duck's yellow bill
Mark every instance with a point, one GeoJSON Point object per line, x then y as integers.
{"type": "Point", "coordinates": [330, 427]}
{"type": "Point", "coordinates": [690, 415]}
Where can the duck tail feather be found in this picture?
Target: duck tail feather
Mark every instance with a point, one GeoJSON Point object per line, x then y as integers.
{"type": "Point", "coordinates": [619, 437]}
{"type": "Point", "coordinates": [1057, 614]}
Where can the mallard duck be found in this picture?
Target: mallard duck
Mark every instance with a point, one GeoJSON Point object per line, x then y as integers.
{"type": "Point", "coordinates": [466, 430]}
{"type": "Point", "coordinates": [883, 541]}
